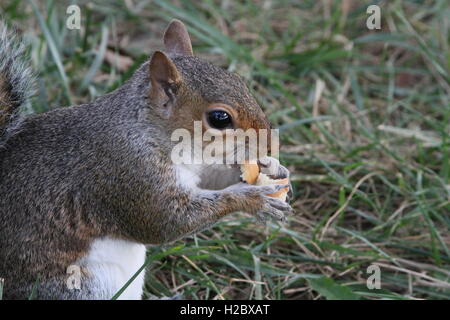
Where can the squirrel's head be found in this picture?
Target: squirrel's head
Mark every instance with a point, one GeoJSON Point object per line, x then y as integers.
{"type": "Point", "coordinates": [185, 89]}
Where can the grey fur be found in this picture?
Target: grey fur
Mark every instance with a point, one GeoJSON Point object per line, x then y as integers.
{"type": "Point", "coordinates": [16, 81]}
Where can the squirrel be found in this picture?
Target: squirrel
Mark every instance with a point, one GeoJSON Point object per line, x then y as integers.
{"type": "Point", "coordinates": [91, 185]}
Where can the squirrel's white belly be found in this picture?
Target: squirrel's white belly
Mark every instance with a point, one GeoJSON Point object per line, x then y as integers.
{"type": "Point", "coordinates": [111, 263]}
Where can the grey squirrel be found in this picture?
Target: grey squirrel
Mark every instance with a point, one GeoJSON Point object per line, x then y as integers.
{"type": "Point", "coordinates": [91, 185]}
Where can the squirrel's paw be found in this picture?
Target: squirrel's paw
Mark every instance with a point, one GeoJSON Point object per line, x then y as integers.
{"type": "Point", "coordinates": [256, 201]}
{"type": "Point", "coordinates": [274, 208]}
{"type": "Point", "coordinates": [272, 167]}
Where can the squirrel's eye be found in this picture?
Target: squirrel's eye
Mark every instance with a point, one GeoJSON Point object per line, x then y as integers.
{"type": "Point", "coordinates": [219, 120]}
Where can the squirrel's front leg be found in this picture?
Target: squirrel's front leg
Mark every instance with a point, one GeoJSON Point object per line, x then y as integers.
{"type": "Point", "coordinates": [199, 209]}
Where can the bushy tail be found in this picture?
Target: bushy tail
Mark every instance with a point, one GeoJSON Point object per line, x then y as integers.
{"type": "Point", "coordinates": [15, 78]}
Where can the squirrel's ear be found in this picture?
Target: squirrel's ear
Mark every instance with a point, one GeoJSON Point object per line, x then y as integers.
{"type": "Point", "coordinates": [163, 70]}
{"type": "Point", "coordinates": [165, 80]}
{"type": "Point", "coordinates": [176, 39]}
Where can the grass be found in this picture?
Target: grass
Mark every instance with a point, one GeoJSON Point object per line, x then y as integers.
{"type": "Point", "coordinates": [365, 127]}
